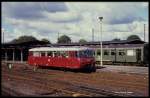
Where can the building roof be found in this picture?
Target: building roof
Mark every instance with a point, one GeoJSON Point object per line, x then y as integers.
{"type": "Point", "coordinates": [119, 46]}
{"type": "Point", "coordinates": [25, 44]}
{"type": "Point", "coordinates": [98, 43]}
{"type": "Point", "coordinates": [31, 44]}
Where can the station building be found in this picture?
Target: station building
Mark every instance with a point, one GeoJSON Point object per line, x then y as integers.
{"type": "Point", "coordinates": [19, 51]}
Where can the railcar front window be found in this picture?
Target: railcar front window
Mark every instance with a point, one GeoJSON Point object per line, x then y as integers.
{"type": "Point", "coordinates": [86, 53]}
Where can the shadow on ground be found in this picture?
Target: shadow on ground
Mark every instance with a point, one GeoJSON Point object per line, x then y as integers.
{"type": "Point", "coordinates": [66, 69]}
{"type": "Point", "coordinates": [100, 67]}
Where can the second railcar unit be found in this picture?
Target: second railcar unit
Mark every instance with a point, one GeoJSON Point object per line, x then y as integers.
{"type": "Point", "coordinates": [127, 53]}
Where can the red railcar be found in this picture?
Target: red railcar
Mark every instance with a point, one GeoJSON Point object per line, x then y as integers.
{"type": "Point", "coordinates": [65, 57]}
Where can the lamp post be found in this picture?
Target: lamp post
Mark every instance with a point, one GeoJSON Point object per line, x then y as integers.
{"type": "Point", "coordinates": [144, 32]}
{"type": "Point", "coordinates": [92, 35]}
{"type": "Point", "coordinates": [3, 37]}
{"type": "Point", "coordinates": [101, 39]}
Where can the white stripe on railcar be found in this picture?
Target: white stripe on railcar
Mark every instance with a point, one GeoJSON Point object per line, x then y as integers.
{"type": "Point", "coordinates": [59, 49]}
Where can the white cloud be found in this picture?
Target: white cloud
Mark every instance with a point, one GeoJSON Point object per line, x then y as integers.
{"type": "Point", "coordinates": [62, 16]}
{"type": "Point", "coordinates": [120, 20]}
{"type": "Point", "coordinates": [145, 4]}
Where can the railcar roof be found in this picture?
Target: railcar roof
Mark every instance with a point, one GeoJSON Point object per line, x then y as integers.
{"type": "Point", "coordinates": [59, 49]}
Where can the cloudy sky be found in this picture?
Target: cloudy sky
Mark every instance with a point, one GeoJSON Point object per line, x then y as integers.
{"type": "Point", "coordinates": [75, 19]}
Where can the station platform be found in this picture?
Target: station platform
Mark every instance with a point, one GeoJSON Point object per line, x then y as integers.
{"type": "Point", "coordinates": [123, 69]}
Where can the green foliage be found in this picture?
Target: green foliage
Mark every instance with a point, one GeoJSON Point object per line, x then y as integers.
{"type": "Point", "coordinates": [22, 39]}
{"type": "Point", "coordinates": [133, 37]}
{"type": "Point", "coordinates": [116, 39]}
{"type": "Point", "coordinates": [46, 40]}
{"type": "Point", "coordinates": [82, 41]}
{"type": "Point", "coordinates": [64, 39]}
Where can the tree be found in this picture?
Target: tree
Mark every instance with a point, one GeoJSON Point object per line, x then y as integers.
{"type": "Point", "coordinates": [133, 37]}
{"type": "Point", "coordinates": [82, 41]}
{"type": "Point", "coordinates": [46, 40]}
{"type": "Point", "coordinates": [116, 39]}
{"type": "Point", "coordinates": [64, 39]}
{"type": "Point", "coordinates": [24, 39]}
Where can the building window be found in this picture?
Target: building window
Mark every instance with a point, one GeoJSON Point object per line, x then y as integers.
{"type": "Point", "coordinates": [113, 52]}
{"type": "Point", "coordinates": [121, 52]}
{"type": "Point", "coordinates": [130, 52]}
{"type": "Point", "coordinates": [106, 52]}
{"type": "Point", "coordinates": [98, 52]}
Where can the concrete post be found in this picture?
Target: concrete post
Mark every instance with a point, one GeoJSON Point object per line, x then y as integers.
{"type": "Point", "coordinates": [101, 41]}
{"type": "Point", "coordinates": [21, 55]}
{"type": "Point", "coordinates": [6, 56]}
{"type": "Point", "coordinates": [13, 55]}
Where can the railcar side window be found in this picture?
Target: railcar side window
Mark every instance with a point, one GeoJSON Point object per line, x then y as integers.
{"type": "Point", "coordinates": [36, 54]}
{"type": "Point", "coordinates": [50, 53]}
{"type": "Point", "coordinates": [42, 53]}
{"type": "Point", "coordinates": [30, 53]}
{"type": "Point", "coordinates": [63, 54]}
{"type": "Point", "coordinates": [76, 54]}
{"type": "Point", "coordinates": [58, 54]}
{"type": "Point", "coordinates": [54, 54]}
{"type": "Point", "coordinates": [71, 53]}
{"type": "Point", "coordinates": [66, 54]}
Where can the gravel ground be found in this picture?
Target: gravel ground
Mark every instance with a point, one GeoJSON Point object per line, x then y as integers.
{"type": "Point", "coordinates": [111, 78]}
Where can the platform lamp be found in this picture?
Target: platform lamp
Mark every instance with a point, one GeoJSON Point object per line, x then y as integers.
{"type": "Point", "coordinates": [100, 18]}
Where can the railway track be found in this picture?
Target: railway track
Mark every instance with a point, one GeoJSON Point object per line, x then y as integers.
{"type": "Point", "coordinates": [10, 92]}
{"type": "Point", "coordinates": [44, 72]}
{"type": "Point", "coordinates": [70, 88]}
{"type": "Point", "coordinates": [36, 84]}
{"type": "Point", "coordinates": [40, 84]}
{"type": "Point", "coordinates": [38, 78]}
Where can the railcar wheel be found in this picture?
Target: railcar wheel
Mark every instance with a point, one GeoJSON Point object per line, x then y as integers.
{"type": "Point", "coordinates": [93, 68]}
{"type": "Point", "coordinates": [35, 68]}
{"type": "Point", "coordinates": [10, 65]}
